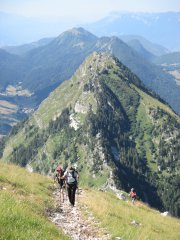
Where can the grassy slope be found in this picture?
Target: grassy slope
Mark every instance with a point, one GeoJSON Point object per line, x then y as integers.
{"type": "Point", "coordinates": [150, 101]}
{"type": "Point", "coordinates": [23, 200]}
{"type": "Point", "coordinates": [116, 216]}
{"type": "Point", "coordinates": [64, 96]}
{"type": "Point", "coordinates": [24, 197]}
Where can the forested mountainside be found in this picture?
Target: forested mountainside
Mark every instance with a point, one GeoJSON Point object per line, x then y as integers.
{"type": "Point", "coordinates": [106, 122]}
{"type": "Point", "coordinates": [27, 79]}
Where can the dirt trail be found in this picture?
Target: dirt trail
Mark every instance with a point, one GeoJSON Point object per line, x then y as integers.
{"type": "Point", "coordinates": [71, 221]}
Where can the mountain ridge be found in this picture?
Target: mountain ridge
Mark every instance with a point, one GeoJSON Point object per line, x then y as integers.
{"type": "Point", "coordinates": [153, 48]}
{"type": "Point", "coordinates": [22, 49]}
{"type": "Point", "coordinates": [138, 47]}
{"type": "Point", "coordinates": [105, 121]}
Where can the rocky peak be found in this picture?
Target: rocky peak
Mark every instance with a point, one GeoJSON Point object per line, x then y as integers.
{"type": "Point", "coordinates": [76, 34]}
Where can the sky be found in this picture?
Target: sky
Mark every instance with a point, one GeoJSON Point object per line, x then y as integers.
{"type": "Point", "coordinates": [31, 20]}
{"type": "Point", "coordinates": [84, 10]}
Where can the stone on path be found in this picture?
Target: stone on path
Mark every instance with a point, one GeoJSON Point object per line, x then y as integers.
{"type": "Point", "coordinates": [70, 220]}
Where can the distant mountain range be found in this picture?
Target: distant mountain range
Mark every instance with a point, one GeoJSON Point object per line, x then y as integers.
{"type": "Point", "coordinates": [161, 28]}
{"type": "Point", "coordinates": [22, 49]}
{"type": "Point", "coordinates": [108, 124]}
{"type": "Point", "coordinates": [40, 70]}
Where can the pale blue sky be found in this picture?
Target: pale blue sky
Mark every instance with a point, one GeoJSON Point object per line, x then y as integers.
{"type": "Point", "coordinates": [84, 10]}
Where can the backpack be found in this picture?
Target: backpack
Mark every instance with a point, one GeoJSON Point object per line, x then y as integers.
{"type": "Point", "coordinates": [71, 178]}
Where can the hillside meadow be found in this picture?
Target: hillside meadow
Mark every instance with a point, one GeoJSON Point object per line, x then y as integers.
{"type": "Point", "coordinates": [127, 221]}
{"type": "Point", "coordinates": [24, 199]}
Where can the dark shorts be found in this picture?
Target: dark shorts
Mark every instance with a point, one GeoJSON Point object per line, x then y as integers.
{"type": "Point", "coordinates": [61, 184]}
{"type": "Point", "coordinates": [72, 185]}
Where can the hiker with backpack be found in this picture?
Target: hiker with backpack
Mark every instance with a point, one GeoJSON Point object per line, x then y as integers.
{"type": "Point", "coordinates": [60, 181]}
{"type": "Point", "coordinates": [71, 177]}
{"type": "Point", "coordinates": [132, 194]}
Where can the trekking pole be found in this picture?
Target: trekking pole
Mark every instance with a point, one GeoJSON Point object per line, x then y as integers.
{"type": "Point", "coordinates": [66, 190]}
{"type": "Point", "coordinates": [77, 188]}
{"type": "Point", "coordinates": [60, 193]}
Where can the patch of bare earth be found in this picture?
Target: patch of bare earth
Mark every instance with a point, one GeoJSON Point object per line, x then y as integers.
{"type": "Point", "coordinates": [176, 74]}
{"type": "Point", "coordinates": [7, 107]}
{"type": "Point", "coordinates": [74, 223]}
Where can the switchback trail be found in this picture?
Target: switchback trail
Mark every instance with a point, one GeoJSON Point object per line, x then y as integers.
{"type": "Point", "coordinates": [73, 223]}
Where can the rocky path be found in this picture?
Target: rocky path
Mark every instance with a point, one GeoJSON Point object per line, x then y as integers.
{"type": "Point", "coordinates": [71, 221]}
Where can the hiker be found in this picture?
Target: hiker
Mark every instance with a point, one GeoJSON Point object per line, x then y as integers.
{"type": "Point", "coordinates": [71, 177]}
{"type": "Point", "coordinates": [61, 182]}
{"type": "Point", "coordinates": [132, 194]}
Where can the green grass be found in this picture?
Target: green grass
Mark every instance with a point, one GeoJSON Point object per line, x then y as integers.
{"type": "Point", "coordinates": [116, 216]}
{"type": "Point", "coordinates": [153, 102]}
{"type": "Point", "coordinates": [70, 90]}
{"type": "Point", "coordinates": [86, 179]}
{"type": "Point", "coordinates": [24, 197]}
{"type": "Point", "coordinates": [145, 126]}
{"type": "Point", "coordinates": [13, 142]}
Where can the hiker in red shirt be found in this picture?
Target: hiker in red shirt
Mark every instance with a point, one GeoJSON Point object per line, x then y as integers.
{"type": "Point", "coordinates": [60, 181]}
{"type": "Point", "coordinates": [133, 195]}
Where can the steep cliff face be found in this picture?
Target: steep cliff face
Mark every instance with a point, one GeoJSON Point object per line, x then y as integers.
{"type": "Point", "coordinates": [104, 121]}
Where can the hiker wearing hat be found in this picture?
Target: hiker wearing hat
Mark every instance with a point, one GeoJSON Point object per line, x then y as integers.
{"type": "Point", "coordinates": [71, 177]}
{"type": "Point", "coordinates": [61, 182]}
{"type": "Point", "coordinates": [132, 194]}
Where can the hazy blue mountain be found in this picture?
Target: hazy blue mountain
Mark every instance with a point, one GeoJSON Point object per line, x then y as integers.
{"type": "Point", "coordinates": [151, 47]}
{"type": "Point", "coordinates": [22, 49]}
{"type": "Point", "coordinates": [11, 69]}
{"type": "Point", "coordinates": [51, 64]}
{"type": "Point", "coordinates": [171, 58]}
{"type": "Point", "coordinates": [48, 65]}
{"type": "Point", "coordinates": [138, 47]}
{"type": "Point", "coordinates": [161, 28]}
